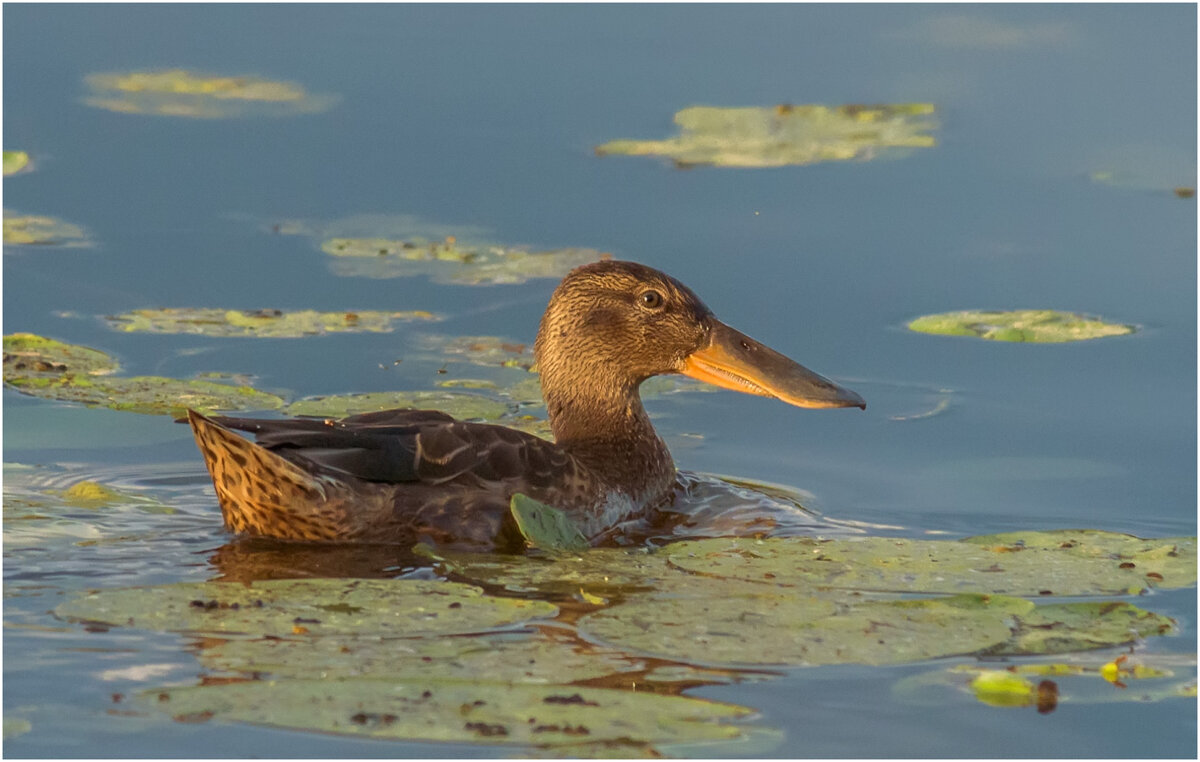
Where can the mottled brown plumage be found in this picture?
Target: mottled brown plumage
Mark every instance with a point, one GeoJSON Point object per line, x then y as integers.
{"type": "Point", "coordinates": [404, 476]}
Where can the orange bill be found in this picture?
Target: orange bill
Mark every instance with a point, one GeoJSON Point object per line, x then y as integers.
{"type": "Point", "coordinates": [733, 360]}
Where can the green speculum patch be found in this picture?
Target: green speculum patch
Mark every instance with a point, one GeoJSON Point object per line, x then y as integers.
{"type": "Point", "coordinates": [261, 323]}
{"type": "Point", "coordinates": [42, 367]}
{"type": "Point", "coordinates": [1034, 326]}
{"type": "Point", "coordinates": [787, 135]}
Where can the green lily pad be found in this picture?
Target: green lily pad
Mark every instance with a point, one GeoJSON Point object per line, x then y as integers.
{"type": "Point", "coordinates": [461, 405]}
{"type": "Point", "coordinates": [38, 230]}
{"type": "Point", "coordinates": [182, 93]}
{"type": "Point", "coordinates": [545, 527]}
{"type": "Point", "coordinates": [16, 726]}
{"type": "Point", "coordinates": [1066, 627]}
{"type": "Point", "coordinates": [42, 367]}
{"type": "Point", "coordinates": [501, 657]}
{"type": "Point", "coordinates": [1065, 563]}
{"type": "Point", "coordinates": [481, 350]}
{"type": "Point", "coordinates": [449, 261]}
{"type": "Point", "coordinates": [14, 162]}
{"type": "Point", "coordinates": [450, 711]}
{"type": "Point", "coordinates": [397, 608]}
{"type": "Point", "coordinates": [795, 628]}
{"type": "Point", "coordinates": [26, 354]}
{"type": "Point", "coordinates": [263, 323]}
{"type": "Point", "coordinates": [787, 135]}
{"type": "Point", "coordinates": [152, 395]}
{"type": "Point", "coordinates": [1037, 326]}
{"type": "Point", "coordinates": [598, 571]}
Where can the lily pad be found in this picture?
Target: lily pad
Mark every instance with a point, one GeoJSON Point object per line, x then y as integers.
{"type": "Point", "coordinates": [461, 405]}
{"type": "Point", "coordinates": [37, 230]}
{"type": "Point", "coordinates": [26, 354]}
{"type": "Point", "coordinates": [14, 162]}
{"type": "Point", "coordinates": [482, 350]}
{"type": "Point", "coordinates": [43, 367]}
{"type": "Point", "coordinates": [545, 527]}
{"type": "Point", "coordinates": [263, 323]}
{"type": "Point", "coordinates": [451, 711]}
{"type": "Point", "coordinates": [598, 571]}
{"type": "Point", "coordinates": [794, 628]}
{"type": "Point", "coordinates": [1036, 326]}
{"type": "Point", "coordinates": [1066, 627]}
{"type": "Point", "coordinates": [1064, 563]}
{"type": "Point", "coordinates": [397, 608]}
{"type": "Point", "coordinates": [787, 135]}
{"type": "Point", "coordinates": [182, 93]}
{"type": "Point", "coordinates": [449, 261]}
{"type": "Point", "coordinates": [501, 657]}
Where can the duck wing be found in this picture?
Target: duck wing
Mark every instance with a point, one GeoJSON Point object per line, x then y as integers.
{"type": "Point", "coordinates": [426, 446]}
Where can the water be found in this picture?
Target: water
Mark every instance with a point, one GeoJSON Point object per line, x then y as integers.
{"type": "Point", "coordinates": [486, 116]}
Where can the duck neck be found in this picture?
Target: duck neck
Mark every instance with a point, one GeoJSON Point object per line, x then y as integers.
{"type": "Point", "coordinates": [612, 435]}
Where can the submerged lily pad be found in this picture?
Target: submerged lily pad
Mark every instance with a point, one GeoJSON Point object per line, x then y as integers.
{"type": "Point", "coordinates": [481, 350]}
{"type": "Point", "coordinates": [787, 135]}
{"type": "Point", "coordinates": [36, 230]}
{"type": "Point", "coordinates": [449, 261]}
{"type": "Point", "coordinates": [1036, 326]}
{"type": "Point", "coordinates": [182, 93]}
{"type": "Point", "coordinates": [1058, 563]}
{"type": "Point", "coordinates": [262, 323]}
{"type": "Point", "coordinates": [501, 657]}
{"type": "Point", "coordinates": [546, 528]}
{"type": "Point", "coordinates": [452, 711]}
{"type": "Point", "coordinates": [14, 162]}
{"type": "Point", "coordinates": [461, 405]}
{"type": "Point", "coordinates": [397, 608]}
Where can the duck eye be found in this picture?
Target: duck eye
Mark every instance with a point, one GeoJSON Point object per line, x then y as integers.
{"type": "Point", "coordinates": [651, 299]}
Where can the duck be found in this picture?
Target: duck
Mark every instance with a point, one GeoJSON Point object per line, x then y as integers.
{"type": "Point", "coordinates": [409, 476]}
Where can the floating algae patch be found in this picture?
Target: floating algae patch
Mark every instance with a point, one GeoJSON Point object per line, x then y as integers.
{"type": "Point", "coordinates": [182, 93]}
{"type": "Point", "coordinates": [15, 161]}
{"type": "Point", "coordinates": [500, 657]}
{"type": "Point", "coordinates": [261, 323]}
{"type": "Point", "coordinates": [787, 135]}
{"type": "Point", "coordinates": [1035, 326]}
{"type": "Point", "coordinates": [546, 528]}
{"type": "Point", "coordinates": [460, 405]}
{"type": "Point", "coordinates": [451, 262]}
{"type": "Point", "coordinates": [285, 608]}
{"type": "Point", "coordinates": [42, 367]}
{"type": "Point", "coordinates": [37, 230]}
{"type": "Point", "coordinates": [1052, 563]}
{"type": "Point", "coordinates": [492, 713]}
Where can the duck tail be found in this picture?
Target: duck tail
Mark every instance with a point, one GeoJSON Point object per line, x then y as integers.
{"type": "Point", "coordinates": [259, 491]}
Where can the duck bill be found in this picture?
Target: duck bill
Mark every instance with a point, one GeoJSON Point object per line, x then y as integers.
{"type": "Point", "coordinates": [733, 360]}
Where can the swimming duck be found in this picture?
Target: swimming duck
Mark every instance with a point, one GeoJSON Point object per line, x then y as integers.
{"type": "Point", "coordinates": [406, 476]}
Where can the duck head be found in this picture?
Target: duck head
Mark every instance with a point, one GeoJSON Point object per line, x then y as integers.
{"type": "Point", "coordinates": [611, 325]}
